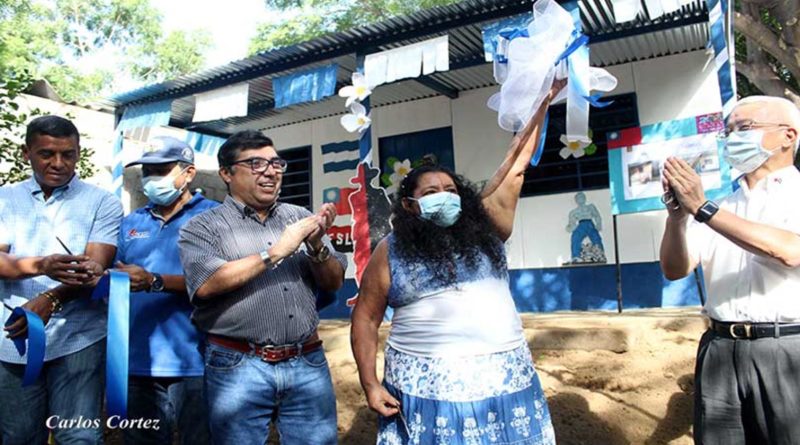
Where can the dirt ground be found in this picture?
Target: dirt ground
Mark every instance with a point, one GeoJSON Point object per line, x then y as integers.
{"type": "Point", "coordinates": [609, 379]}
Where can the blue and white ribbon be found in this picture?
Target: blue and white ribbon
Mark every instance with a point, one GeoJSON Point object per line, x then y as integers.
{"type": "Point", "coordinates": [723, 57]}
{"type": "Point", "coordinates": [33, 342]}
{"type": "Point", "coordinates": [528, 59]}
{"type": "Point", "coordinates": [116, 286]}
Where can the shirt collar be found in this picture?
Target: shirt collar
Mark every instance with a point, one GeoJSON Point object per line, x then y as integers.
{"type": "Point", "coordinates": [35, 188]}
{"type": "Point", "coordinates": [785, 176]}
{"type": "Point", "coordinates": [245, 210]}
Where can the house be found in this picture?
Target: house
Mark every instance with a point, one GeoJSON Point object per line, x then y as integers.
{"type": "Point", "coordinates": [664, 73]}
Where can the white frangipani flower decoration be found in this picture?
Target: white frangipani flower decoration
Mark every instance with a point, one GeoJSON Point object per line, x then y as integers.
{"type": "Point", "coordinates": [574, 146]}
{"type": "Point", "coordinates": [357, 119]}
{"type": "Point", "coordinates": [358, 91]}
{"type": "Point", "coordinates": [401, 170]}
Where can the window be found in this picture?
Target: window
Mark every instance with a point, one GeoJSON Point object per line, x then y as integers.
{"type": "Point", "coordinates": [296, 187]}
{"type": "Point", "coordinates": [557, 175]}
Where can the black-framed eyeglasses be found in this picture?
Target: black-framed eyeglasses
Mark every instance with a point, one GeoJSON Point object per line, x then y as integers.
{"type": "Point", "coordinates": [747, 126]}
{"type": "Point", "coordinates": [260, 165]}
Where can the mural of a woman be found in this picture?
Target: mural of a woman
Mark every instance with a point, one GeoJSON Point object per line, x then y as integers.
{"type": "Point", "coordinates": [458, 369]}
{"type": "Point", "coordinates": [584, 223]}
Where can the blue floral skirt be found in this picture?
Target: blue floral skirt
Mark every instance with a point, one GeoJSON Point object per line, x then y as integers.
{"type": "Point", "coordinates": [484, 399]}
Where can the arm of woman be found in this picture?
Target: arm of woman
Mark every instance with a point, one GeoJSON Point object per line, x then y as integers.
{"type": "Point", "coordinates": [367, 317]}
{"type": "Point", "coordinates": [501, 193]}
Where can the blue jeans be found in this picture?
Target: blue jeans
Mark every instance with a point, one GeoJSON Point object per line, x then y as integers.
{"type": "Point", "coordinates": [69, 387]}
{"type": "Point", "coordinates": [245, 394]}
{"type": "Point", "coordinates": [173, 401]}
{"type": "Point", "coordinates": [585, 228]}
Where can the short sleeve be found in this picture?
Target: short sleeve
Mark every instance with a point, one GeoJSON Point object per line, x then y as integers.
{"type": "Point", "coordinates": [105, 229]}
{"type": "Point", "coordinates": [698, 238]}
{"type": "Point", "coordinates": [200, 257]}
{"type": "Point", "coordinates": [121, 244]}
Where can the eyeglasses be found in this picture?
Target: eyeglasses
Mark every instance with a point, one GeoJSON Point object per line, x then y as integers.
{"type": "Point", "coordinates": [260, 165]}
{"type": "Point", "coordinates": [747, 126]}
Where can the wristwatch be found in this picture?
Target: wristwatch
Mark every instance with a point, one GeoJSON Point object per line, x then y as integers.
{"type": "Point", "coordinates": [706, 211]}
{"type": "Point", "coordinates": [268, 261]}
{"type": "Point", "coordinates": [319, 256]}
{"type": "Point", "coordinates": [158, 283]}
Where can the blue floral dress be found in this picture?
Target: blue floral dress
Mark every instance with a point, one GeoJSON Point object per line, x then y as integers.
{"type": "Point", "coordinates": [487, 398]}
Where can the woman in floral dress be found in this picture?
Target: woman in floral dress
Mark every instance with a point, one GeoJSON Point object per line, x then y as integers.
{"type": "Point", "coordinates": [457, 367]}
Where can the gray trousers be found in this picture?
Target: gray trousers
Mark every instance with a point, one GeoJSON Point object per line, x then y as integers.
{"type": "Point", "coordinates": [747, 391]}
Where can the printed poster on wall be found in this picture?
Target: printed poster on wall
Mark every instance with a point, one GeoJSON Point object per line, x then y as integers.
{"type": "Point", "coordinates": [636, 158]}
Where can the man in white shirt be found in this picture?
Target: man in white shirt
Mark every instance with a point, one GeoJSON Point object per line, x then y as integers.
{"type": "Point", "coordinates": [747, 376]}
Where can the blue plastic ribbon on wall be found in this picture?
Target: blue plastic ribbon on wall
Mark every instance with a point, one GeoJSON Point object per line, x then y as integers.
{"type": "Point", "coordinates": [35, 339]}
{"type": "Point", "coordinates": [116, 286]}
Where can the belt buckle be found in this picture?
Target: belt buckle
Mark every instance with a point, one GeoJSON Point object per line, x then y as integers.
{"type": "Point", "coordinates": [747, 330]}
{"type": "Point", "coordinates": [273, 354]}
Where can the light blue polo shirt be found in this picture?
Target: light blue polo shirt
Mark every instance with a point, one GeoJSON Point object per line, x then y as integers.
{"type": "Point", "coordinates": [163, 341]}
{"type": "Point", "coordinates": [78, 214]}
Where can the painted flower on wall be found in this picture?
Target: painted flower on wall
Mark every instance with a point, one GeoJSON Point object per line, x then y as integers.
{"type": "Point", "coordinates": [358, 91]}
{"type": "Point", "coordinates": [357, 119]}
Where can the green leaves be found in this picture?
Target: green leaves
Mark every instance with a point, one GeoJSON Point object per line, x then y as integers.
{"type": "Point", "coordinates": [313, 18]}
{"type": "Point", "coordinates": [82, 46]}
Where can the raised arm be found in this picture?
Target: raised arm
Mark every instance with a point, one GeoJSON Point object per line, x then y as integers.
{"type": "Point", "coordinates": [367, 317]}
{"type": "Point", "coordinates": [501, 193]}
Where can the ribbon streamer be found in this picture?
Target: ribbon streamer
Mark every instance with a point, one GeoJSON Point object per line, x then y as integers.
{"type": "Point", "coordinates": [35, 338]}
{"type": "Point", "coordinates": [726, 75]}
{"type": "Point", "coordinates": [116, 286]}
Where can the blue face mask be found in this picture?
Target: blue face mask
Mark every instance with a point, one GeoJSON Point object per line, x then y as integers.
{"type": "Point", "coordinates": [161, 189]}
{"type": "Point", "coordinates": [442, 209]}
{"type": "Point", "coordinates": [743, 150]}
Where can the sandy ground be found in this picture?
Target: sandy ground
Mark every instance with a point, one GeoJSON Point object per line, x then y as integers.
{"type": "Point", "coordinates": [609, 379]}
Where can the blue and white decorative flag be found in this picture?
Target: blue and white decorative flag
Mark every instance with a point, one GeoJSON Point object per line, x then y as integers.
{"type": "Point", "coordinates": [203, 143]}
{"type": "Point", "coordinates": [222, 103]}
{"type": "Point", "coordinates": [408, 61]}
{"type": "Point", "coordinates": [723, 58]}
{"type": "Point", "coordinates": [305, 86]}
{"type": "Point", "coordinates": [155, 114]}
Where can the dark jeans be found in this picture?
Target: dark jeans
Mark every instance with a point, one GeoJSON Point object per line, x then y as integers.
{"type": "Point", "coordinates": [173, 402]}
{"type": "Point", "coordinates": [747, 391]}
{"type": "Point", "coordinates": [68, 396]}
{"type": "Point", "coordinates": [245, 394]}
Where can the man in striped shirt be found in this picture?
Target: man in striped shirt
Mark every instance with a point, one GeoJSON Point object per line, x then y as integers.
{"type": "Point", "coordinates": [253, 267]}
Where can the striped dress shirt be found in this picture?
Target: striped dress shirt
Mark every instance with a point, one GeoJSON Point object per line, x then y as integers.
{"type": "Point", "coordinates": [278, 307]}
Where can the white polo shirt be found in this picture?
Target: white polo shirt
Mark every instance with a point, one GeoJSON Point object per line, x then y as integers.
{"type": "Point", "coordinates": [741, 286]}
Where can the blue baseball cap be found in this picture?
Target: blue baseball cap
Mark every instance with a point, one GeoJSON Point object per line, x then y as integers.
{"type": "Point", "coordinates": [165, 149]}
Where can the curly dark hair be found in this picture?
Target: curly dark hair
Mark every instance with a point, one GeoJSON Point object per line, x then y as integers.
{"type": "Point", "coordinates": [473, 234]}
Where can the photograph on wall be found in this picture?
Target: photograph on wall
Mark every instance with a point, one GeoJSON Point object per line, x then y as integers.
{"type": "Point", "coordinates": [636, 158]}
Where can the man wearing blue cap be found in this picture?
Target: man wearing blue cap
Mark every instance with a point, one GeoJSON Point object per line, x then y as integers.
{"type": "Point", "coordinates": [166, 366]}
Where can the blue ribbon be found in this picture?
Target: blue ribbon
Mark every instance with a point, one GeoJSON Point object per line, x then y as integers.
{"type": "Point", "coordinates": [36, 344]}
{"type": "Point", "coordinates": [594, 99]}
{"type": "Point", "coordinates": [579, 41]}
{"type": "Point", "coordinates": [542, 136]}
{"type": "Point", "coordinates": [116, 286]}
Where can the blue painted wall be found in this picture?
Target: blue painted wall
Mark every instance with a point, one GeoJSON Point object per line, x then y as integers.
{"type": "Point", "coordinates": [577, 288]}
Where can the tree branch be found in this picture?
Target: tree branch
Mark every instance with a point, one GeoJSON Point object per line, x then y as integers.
{"type": "Point", "coordinates": [769, 42]}
{"type": "Point", "coordinates": [763, 77]}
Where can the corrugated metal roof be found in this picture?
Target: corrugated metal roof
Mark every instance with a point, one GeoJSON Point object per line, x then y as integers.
{"type": "Point", "coordinates": [611, 43]}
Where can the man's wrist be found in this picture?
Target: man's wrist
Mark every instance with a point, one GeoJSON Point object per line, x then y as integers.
{"type": "Point", "coordinates": [55, 302]}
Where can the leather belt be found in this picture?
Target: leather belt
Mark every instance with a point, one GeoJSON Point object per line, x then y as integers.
{"type": "Point", "coordinates": [268, 353]}
{"type": "Point", "coordinates": [750, 331]}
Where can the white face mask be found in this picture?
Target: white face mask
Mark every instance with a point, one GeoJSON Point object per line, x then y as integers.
{"type": "Point", "coordinates": [743, 150]}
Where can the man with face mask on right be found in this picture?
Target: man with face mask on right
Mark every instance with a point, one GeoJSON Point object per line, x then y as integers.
{"type": "Point", "coordinates": [166, 366]}
{"type": "Point", "coordinates": [747, 389]}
